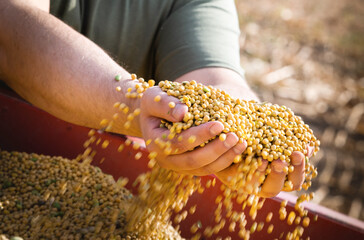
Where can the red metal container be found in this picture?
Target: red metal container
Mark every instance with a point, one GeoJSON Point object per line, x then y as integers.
{"type": "Point", "coordinates": [24, 127]}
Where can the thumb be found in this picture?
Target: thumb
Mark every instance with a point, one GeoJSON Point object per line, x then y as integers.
{"type": "Point", "coordinates": [159, 104]}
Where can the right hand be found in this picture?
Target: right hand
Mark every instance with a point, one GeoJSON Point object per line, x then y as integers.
{"type": "Point", "coordinates": [186, 157]}
{"type": "Point", "coordinates": [274, 181]}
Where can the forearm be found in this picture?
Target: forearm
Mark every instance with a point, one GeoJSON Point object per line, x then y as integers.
{"type": "Point", "coordinates": [59, 70]}
{"type": "Point", "coordinates": [222, 78]}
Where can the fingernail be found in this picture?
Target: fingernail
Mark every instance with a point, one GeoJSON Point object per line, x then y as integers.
{"type": "Point", "coordinates": [277, 167]}
{"type": "Point", "coordinates": [239, 148]}
{"type": "Point", "coordinates": [230, 141]}
{"type": "Point", "coordinates": [263, 166]}
{"type": "Point", "coordinates": [178, 112]}
{"type": "Point", "coordinates": [309, 151]}
{"type": "Point", "coordinates": [216, 129]}
{"type": "Point", "coordinates": [296, 160]}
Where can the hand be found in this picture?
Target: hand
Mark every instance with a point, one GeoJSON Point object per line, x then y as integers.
{"type": "Point", "coordinates": [274, 182]}
{"type": "Point", "coordinates": [185, 156]}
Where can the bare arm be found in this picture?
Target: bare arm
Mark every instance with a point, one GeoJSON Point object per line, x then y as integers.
{"type": "Point", "coordinates": [57, 69]}
{"type": "Point", "coordinates": [62, 72]}
{"type": "Point", "coordinates": [222, 78]}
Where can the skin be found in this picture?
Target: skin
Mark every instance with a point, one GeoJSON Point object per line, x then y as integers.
{"type": "Point", "coordinates": [60, 71]}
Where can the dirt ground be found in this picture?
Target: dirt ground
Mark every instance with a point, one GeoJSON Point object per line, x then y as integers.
{"type": "Point", "coordinates": [309, 56]}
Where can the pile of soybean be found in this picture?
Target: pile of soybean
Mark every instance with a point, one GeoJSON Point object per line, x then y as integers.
{"type": "Point", "coordinates": [43, 197]}
{"type": "Point", "coordinates": [272, 132]}
{"type": "Point", "coordinates": [53, 198]}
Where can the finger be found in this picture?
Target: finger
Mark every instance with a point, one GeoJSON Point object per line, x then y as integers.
{"type": "Point", "coordinates": [151, 128]}
{"type": "Point", "coordinates": [310, 150]}
{"type": "Point", "coordinates": [226, 176]}
{"type": "Point", "coordinates": [256, 179]}
{"type": "Point", "coordinates": [223, 162]}
{"type": "Point", "coordinates": [200, 134]}
{"type": "Point", "coordinates": [161, 108]}
{"type": "Point", "coordinates": [201, 156]}
{"type": "Point", "coordinates": [274, 182]}
{"type": "Point", "coordinates": [182, 142]}
{"type": "Point", "coordinates": [297, 176]}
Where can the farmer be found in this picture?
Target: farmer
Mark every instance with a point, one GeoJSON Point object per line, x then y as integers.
{"type": "Point", "coordinates": [63, 57]}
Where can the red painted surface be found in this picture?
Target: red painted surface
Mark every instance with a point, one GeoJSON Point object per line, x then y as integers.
{"type": "Point", "coordinates": [26, 128]}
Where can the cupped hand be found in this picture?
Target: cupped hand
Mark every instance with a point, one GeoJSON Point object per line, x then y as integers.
{"type": "Point", "coordinates": [185, 155]}
{"type": "Point", "coordinates": [274, 181]}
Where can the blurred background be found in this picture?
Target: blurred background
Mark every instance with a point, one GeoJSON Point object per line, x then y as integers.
{"type": "Point", "coordinates": [309, 56]}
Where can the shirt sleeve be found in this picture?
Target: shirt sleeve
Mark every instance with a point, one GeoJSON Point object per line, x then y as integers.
{"type": "Point", "coordinates": [67, 10]}
{"type": "Point", "coordinates": [198, 34]}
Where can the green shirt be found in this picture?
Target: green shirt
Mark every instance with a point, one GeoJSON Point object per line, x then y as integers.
{"type": "Point", "coordinates": [159, 39]}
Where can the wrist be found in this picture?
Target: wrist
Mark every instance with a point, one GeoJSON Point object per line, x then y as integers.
{"type": "Point", "coordinates": [126, 104]}
{"type": "Point", "coordinates": [239, 90]}
{"type": "Point", "coordinates": [222, 78]}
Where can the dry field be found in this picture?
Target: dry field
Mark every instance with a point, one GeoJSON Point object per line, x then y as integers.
{"type": "Point", "coordinates": [309, 56]}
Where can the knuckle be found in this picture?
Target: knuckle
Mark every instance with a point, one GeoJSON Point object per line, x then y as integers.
{"type": "Point", "coordinates": [181, 146]}
{"type": "Point", "coordinates": [207, 170]}
{"type": "Point", "coordinates": [146, 96]}
{"type": "Point", "coordinates": [191, 163]}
